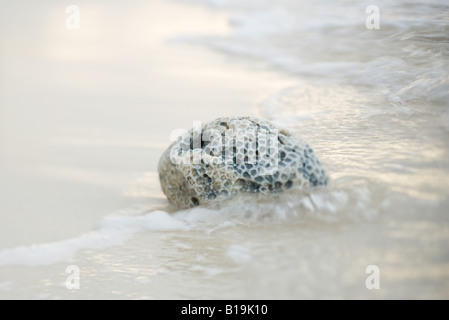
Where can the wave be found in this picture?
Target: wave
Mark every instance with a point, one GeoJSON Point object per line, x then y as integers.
{"type": "Point", "coordinates": [328, 42]}
{"type": "Point", "coordinates": [305, 209]}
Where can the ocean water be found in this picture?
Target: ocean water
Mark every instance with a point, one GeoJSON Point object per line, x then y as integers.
{"type": "Point", "coordinates": [373, 104]}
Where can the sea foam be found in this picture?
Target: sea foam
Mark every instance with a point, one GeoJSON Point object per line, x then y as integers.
{"type": "Point", "coordinates": [318, 206]}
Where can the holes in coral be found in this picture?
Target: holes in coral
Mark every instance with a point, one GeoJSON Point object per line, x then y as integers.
{"type": "Point", "coordinates": [207, 179]}
{"type": "Point", "coordinates": [195, 201]}
{"type": "Point", "coordinates": [282, 155]}
{"type": "Point", "coordinates": [254, 187]}
{"type": "Point", "coordinates": [240, 182]}
{"type": "Point", "coordinates": [211, 196]}
{"type": "Point", "coordinates": [224, 124]}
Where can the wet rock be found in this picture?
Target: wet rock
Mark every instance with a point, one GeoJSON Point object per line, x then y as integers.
{"type": "Point", "coordinates": [236, 155]}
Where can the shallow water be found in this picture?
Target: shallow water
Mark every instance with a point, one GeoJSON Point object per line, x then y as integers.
{"type": "Point", "coordinates": [372, 103]}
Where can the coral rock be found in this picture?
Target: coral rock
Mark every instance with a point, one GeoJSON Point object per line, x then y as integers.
{"type": "Point", "coordinates": [236, 155]}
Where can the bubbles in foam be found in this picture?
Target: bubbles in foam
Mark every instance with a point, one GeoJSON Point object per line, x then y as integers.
{"type": "Point", "coordinates": [238, 253]}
